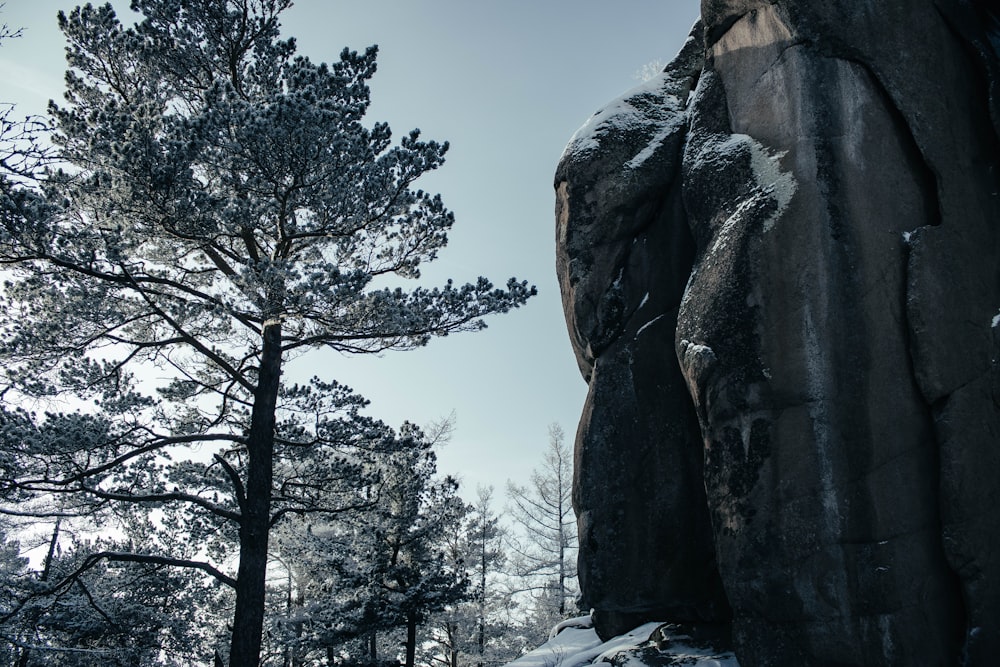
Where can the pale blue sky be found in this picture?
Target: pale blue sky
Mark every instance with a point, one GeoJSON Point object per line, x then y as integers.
{"type": "Point", "coordinates": [507, 83]}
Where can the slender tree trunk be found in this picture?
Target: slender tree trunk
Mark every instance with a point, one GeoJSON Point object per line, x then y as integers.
{"type": "Point", "coordinates": [452, 630]}
{"type": "Point", "coordinates": [411, 640]}
{"type": "Point", "coordinates": [373, 648]}
{"type": "Point", "coordinates": [451, 643]}
{"type": "Point", "coordinates": [288, 613]}
{"type": "Point", "coordinates": [255, 523]}
{"type": "Point", "coordinates": [562, 577]}
{"type": "Point", "coordinates": [562, 542]}
{"type": "Point", "coordinates": [300, 602]}
{"type": "Point", "coordinates": [46, 568]}
{"type": "Point", "coordinates": [482, 596]}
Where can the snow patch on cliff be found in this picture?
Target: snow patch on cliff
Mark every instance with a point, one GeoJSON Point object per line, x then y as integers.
{"type": "Point", "coordinates": [647, 325]}
{"type": "Point", "coordinates": [650, 109]}
{"type": "Point", "coordinates": [771, 179]}
{"type": "Point", "coordinates": [576, 644]}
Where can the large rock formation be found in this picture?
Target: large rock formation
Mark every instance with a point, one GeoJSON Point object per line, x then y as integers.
{"type": "Point", "coordinates": [780, 264]}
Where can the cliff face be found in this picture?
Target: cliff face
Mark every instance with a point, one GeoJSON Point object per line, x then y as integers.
{"type": "Point", "coordinates": [779, 266]}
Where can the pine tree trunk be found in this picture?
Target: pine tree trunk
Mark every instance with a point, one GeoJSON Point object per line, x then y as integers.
{"type": "Point", "coordinates": [248, 620]}
{"type": "Point", "coordinates": [411, 640]}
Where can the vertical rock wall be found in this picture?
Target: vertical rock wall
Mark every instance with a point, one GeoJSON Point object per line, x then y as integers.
{"type": "Point", "coordinates": [779, 264]}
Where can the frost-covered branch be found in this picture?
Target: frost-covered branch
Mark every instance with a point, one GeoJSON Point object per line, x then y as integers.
{"type": "Point", "coordinates": [151, 559]}
{"type": "Point", "coordinates": [170, 496]}
{"type": "Point", "coordinates": [327, 511]}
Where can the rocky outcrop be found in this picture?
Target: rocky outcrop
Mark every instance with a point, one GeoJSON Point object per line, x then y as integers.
{"type": "Point", "coordinates": [623, 263]}
{"type": "Point", "coordinates": [779, 265]}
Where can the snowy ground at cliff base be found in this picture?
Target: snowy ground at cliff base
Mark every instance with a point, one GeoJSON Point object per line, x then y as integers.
{"type": "Point", "coordinates": [575, 644]}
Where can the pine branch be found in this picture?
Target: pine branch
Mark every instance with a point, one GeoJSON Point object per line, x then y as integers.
{"type": "Point", "coordinates": [174, 496]}
{"type": "Point", "coordinates": [239, 491]}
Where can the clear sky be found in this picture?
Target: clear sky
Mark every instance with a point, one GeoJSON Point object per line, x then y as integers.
{"type": "Point", "coordinates": [507, 82]}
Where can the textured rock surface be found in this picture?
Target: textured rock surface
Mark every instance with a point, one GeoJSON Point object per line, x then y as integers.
{"type": "Point", "coordinates": [625, 253]}
{"type": "Point", "coordinates": [815, 417]}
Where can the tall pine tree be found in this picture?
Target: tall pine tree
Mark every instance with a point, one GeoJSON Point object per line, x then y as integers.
{"type": "Point", "coordinates": [224, 209]}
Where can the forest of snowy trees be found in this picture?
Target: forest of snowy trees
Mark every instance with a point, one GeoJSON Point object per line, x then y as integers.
{"type": "Point", "coordinates": [203, 208]}
{"type": "Point", "coordinates": [462, 583]}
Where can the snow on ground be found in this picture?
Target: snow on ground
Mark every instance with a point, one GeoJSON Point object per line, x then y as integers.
{"type": "Point", "coordinates": [575, 644]}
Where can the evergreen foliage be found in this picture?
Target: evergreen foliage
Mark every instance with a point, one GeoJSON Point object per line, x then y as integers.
{"type": "Point", "coordinates": [376, 571]}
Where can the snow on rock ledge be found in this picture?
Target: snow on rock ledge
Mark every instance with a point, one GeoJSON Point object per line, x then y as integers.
{"type": "Point", "coordinates": [574, 643]}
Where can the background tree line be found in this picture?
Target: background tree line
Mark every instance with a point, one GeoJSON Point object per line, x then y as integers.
{"type": "Point", "coordinates": [418, 577]}
{"type": "Point", "coordinates": [204, 207]}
